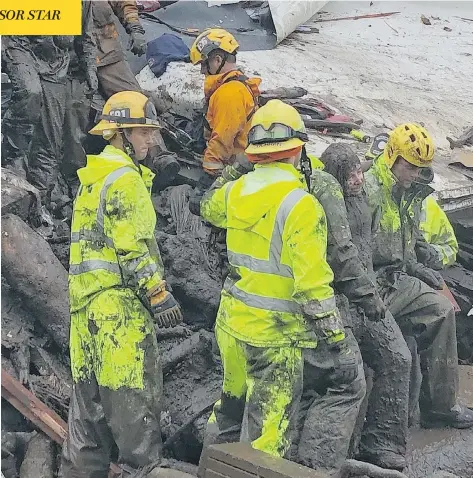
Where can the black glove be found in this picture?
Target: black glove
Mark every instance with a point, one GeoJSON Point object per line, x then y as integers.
{"type": "Point", "coordinates": [166, 311]}
{"type": "Point", "coordinates": [343, 361]}
{"type": "Point", "coordinates": [429, 276]}
{"type": "Point", "coordinates": [374, 309]}
{"type": "Point", "coordinates": [138, 43]}
{"type": "Point", "coordinates": [428, 255]}
{"type": "Point", "coordinates": [202, 186]}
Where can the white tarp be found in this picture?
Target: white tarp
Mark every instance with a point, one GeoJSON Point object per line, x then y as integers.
{"type": "Point", "coordinates": [289, 14]}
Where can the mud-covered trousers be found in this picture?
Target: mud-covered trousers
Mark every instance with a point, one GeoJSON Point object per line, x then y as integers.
{"type": "Point", "coordinates": [24, 112]}
{"type": "Point", "coordinates": [76, 121]}
{"type": "Point", "coordinates": [385, 351]}
{"type": "Point", "coordinates": [423, 313]}
{"type": "Point", "coordinates": [328, 412]}
{"type": "Point", "coordinates": [47, 144]}
{"type": "Point", "coordinates": [115, 405]}
{"type": "Point", "coordinates": [260, 395]}
{"type": "Point", "coordinates": [116, 77]}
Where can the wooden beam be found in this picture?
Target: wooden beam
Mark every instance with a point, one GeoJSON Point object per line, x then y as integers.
{"type": "Point", "coordinates": [40, 414]}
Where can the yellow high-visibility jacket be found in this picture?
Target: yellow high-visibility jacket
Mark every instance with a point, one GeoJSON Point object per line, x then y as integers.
{"type": "Point", "coordinates": [112, 232]}
{"type": "Point", "coordinates": [437, 231]}
{"type": "Point", "coordinates": [279, 279]}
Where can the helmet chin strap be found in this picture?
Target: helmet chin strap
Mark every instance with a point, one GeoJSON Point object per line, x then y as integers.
{"type": "Point", "coordinates": [130, 150]}
{"type": "Point", "coordinates": [219, 69]}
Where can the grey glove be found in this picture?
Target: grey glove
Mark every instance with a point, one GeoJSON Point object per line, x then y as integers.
{"type": "Point", "coordinates": [138, 43]}
{"type": "Point", "coordinates": [333, 349]}
{"type": "Point", "coordinates": [374, 309]}
{"type": "Point", "coordinates": [429, 276]}
{"type": "Point", "coordinates": [428, 255]}
{"type": "Point", "coordinates": [341, 359]}
{"type": "Point", "coordinates": [92, 80]}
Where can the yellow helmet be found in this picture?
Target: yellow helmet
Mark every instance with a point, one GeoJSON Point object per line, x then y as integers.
{"type": "Point", "coordinates": [413, 143]}
{"type": "Point", "coordinates": [210, 40]}
{"type": "Point", "coordinates": [126, 109]}
{"type": "Point", "coordinates": [275, 127]}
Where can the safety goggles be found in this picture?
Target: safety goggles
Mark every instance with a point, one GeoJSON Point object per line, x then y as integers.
{"type": "Point", "coordinates": [276, 133]}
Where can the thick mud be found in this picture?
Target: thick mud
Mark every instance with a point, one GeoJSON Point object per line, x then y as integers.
{"type": "Point", "coordinates": [441, 450]}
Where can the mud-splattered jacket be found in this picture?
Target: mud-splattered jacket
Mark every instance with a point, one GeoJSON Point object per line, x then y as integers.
{"type": "Point", "coordinates": [230, 106]}
{"type": "Point", "coordinates": [279, 280]}
{"type": "Point", "coordinates": [351, 276]}
{"type": "Point", "coordinates": [438, 232]}
{"type": "Point", "coordinates": [398, 213]}
{"type": "Point", "coordinates": [112, 232]}
{"type": "Point", "coordinates": [109, 49]}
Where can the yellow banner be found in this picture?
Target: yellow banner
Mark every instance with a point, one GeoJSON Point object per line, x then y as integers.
{"type": "Point", "coordinates": [40, 17]}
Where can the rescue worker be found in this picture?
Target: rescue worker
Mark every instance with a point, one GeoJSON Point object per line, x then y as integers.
{"type": "Point", "coordinates": [337, 183]}
{"type": "Point", "coordinates": [439, 246]}
{"type": "Point", "coordinates": [277, 304]}
{"type": "Point", "coordinates": [231, 100]}
{"type": "Point", "coordinates": [116, 291]}
{"type": "Point", "coordinates": [396, 185]}
{"type": "Point", "coordinates": [81, 84]}
{"type": "Point", "coordinates": [33, 124]}
{"type": "Point", "coordinates": [113, 70]}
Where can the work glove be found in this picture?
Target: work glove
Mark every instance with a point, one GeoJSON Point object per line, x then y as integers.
{"type": "Point", "coordinates": [138, 43]}
{"type": "Point", "coordinates": [428, 255]}
{"type": "Point", "coordinates": [166, 311]}
{"type": "Point", "coordinates": [374, 309]}
{"type": "Point", "coordinates": [202, 186]}
{"type": "Point", "coordinates": [92, 80]}
{"type": "Point", "coordinates": [427, 275]}
{"type": "Point", "coordinates": [333, 349]}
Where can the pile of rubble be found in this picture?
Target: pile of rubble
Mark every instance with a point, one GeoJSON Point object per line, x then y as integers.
{"type": "Point", "coordinates": [35, 327]}
{"type": "Point", "coordinates": [35, 318]}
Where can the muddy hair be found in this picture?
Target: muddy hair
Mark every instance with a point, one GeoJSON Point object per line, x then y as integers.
{"type": "Point", "coordinates": [340, 160]}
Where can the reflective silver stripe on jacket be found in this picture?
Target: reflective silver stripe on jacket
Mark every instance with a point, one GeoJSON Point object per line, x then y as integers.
{"type": "Point", "coordinates": [94, 265]}
{"type": "Point", "coordinates": [261, 302]}
{"type": "Point", "coordinates": [98, 235]}
{"type": "Point", "coordinates": [273, 264]}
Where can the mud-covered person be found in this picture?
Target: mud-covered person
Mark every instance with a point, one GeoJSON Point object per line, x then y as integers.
{"type": "Point", "coordinates": [337, 182]}
{"type": "Point", "coordinates": [117, 291]}
{"type": "Point", "coordinates": [396, 185]}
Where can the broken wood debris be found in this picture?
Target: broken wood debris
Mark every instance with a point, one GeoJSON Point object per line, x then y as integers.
{"type": "Point", "coordinates": [38, 413]}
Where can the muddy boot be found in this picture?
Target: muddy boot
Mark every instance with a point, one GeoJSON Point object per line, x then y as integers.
{"type": "Point", "coordinates": [386, 459]}
{"type": "Point", "coordinates": [458, 417]}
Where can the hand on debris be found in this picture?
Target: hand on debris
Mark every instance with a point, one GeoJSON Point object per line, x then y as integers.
{"type": "Point", "coordinates": [375, 310]}
{"type": "Point", "coordinates": [167, 312]}
{"type": "Point", "coordinates": [138, 43]}
{"type": "Point", "coordinates": [430, 277]}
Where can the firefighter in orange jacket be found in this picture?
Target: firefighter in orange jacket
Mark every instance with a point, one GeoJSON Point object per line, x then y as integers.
{"type": "Point", "coordinates": [231, 99]}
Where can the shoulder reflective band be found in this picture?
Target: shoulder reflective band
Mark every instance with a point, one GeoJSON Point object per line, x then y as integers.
{"type": "Point", "coordinates": [273, 264]}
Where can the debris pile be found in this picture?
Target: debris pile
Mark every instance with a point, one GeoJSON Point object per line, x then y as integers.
{"type": "Point", "coordinates": [35, 329]}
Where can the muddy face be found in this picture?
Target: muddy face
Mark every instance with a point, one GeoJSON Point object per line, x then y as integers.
{"type": "Point", "coordinates": [354, 183]}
